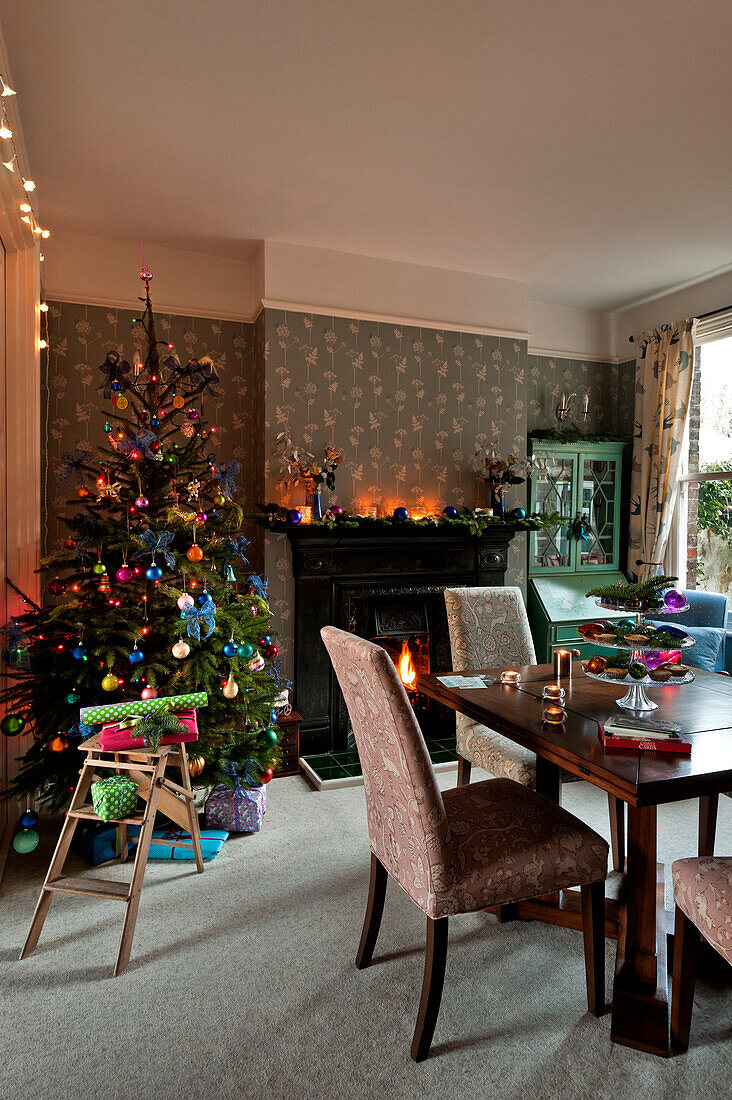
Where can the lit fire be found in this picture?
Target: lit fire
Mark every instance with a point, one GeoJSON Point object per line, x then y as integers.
{"type": "Point", "coordinates": [407, 671]}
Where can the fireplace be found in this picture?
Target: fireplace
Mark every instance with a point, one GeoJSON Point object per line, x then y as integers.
{"type": "Point", "coordinates": [386, 585]}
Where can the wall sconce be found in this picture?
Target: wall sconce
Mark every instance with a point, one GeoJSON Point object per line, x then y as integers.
{"type": "Point", "coordinates": [565, 406]}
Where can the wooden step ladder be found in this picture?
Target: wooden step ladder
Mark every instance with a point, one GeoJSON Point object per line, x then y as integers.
{"type": "Point", "coordinates": [147, 769]}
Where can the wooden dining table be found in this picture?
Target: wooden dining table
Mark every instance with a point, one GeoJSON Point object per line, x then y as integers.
{"type": "Point", "coordinates": [643, 780]}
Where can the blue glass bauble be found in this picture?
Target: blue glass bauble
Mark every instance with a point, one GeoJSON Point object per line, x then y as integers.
{"type": "Point", "coordinates": [245, 651]}
{"type": "Point", "coordinates": [230, 649]}
{"type": "Point", "coordinates": [154, 573]}
{"type": "Point", "coordinates": [265, 639]}
{"type": "Point", "coordinates": [29, 819]}
{"type": "Point", "coordinates": [72, 697]}
{"type": "Point", "coordinates": [154, 422]}
{"type": "Point", "coordinates": [450, 512]}
{"type": "Point", "coordinates": [401, 513]}
{"type": "Point", "coordinates": [519, 513]}
{"type": "Point", "coordinates": [294, 516]}
{"type": "Point", "coordinates": [675, 632]}
{"type": "Point", "coordinates": [135, 656]}
{"type": "Point", "coordinates": [78, 652]}
{"type": "Point", "coordinates": [116, 386]}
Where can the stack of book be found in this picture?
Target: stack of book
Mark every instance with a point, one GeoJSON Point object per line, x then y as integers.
{"type": "Point", "coordinates": [626, 732]}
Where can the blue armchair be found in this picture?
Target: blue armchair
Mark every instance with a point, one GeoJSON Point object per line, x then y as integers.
{"type": "Point", "coordinates": [706, 621]}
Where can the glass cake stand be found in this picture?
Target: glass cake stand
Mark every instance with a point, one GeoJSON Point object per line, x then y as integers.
{"type": "Point", "coordinates": [636, 698]}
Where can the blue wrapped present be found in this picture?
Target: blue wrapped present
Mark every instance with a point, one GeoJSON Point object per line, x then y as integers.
{"type": "Point", "coordinates": [212, 841]}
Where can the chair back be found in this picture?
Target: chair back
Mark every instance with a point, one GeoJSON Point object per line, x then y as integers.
{"type": "Point", "coordinates": [488, 628]}
{"type": "Point", "coordinates": [407, 822]}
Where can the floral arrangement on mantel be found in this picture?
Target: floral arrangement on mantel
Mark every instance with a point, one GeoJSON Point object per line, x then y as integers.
{"type": "Point", "coordinates": [475, 521]}
{"type": "Point", "coordinates": [499, 473]}
{"type": "Point", "coordinates": [296, 463]}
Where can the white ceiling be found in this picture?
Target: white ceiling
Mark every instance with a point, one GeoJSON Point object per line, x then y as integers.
{"type": "Point", "coordinates": [580, 146]}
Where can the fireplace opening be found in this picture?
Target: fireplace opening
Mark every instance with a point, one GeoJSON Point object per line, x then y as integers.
{"type": "Point", "coordinates": [410, 655]}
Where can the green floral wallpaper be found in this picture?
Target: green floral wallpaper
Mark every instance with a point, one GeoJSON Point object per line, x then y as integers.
{"type": "Point", "coordinates": [611, 388]}
{"type": "Point", "coordinates": [73, 406]}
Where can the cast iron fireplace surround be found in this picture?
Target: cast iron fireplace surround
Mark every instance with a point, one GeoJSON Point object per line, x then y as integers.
{"type": "Point", "coordinates": [366, 581]}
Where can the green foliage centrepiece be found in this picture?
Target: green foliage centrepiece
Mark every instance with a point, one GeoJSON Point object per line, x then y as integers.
{"type": "Point", "coordinates": [650, 590]}
{"type": "Point", "coordinates": [156, 482]}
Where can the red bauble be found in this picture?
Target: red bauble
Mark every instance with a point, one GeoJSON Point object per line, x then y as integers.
{"type": "Point", "coordinates": [56, 587]}
{"type": "Point", "coordinates": [149, 693]}
{"type": "Point", "coordinates": [266, 775]}
{"type": "Point", "coordinates": [70, 544]}
{"type": "Point", "coordinates": [269, 651]}
{"type": "Point", "coordinates": [82, 493]}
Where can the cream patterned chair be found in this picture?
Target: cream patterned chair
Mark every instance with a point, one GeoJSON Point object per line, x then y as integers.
{"type": "Point", "coordinates": [703, 896]}
{"type": "Point", "coordinates": [457, 851]}
{"type": "Point", "coordinates": [489, 628]}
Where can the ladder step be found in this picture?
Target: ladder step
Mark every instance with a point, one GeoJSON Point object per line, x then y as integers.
{"type": "Point", "coordinates": [88, 813]}
{"type": "Point", "coordinates": [92, 887]}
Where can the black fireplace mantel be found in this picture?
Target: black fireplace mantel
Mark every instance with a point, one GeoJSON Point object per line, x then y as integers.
{"type": "Point", "coordinates": [335, 567]}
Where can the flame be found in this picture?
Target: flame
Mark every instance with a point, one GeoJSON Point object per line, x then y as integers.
{"type": "Point", "coordinates": [406, 667]}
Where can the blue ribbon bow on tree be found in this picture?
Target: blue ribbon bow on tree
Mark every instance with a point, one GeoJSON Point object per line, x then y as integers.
{"type": "Point", "coordinates": [259, 584]}
{"type": "Point", "coordinates": [18, 642]}
{"type": "Point", "coordinates": [235, 547]}
{"type": "Point", "coordinates": [79, 729]}
{"type": "Point", "coordinates": [73, 463]}
{"type": "Point", "coordinates": [154, 543]}
{"type": "Point", "coordinates": [193, 615]}
{"type": "Point", "coordinates": [116, 369]}
{"type": "Point", "coordinates": [140, 443]}
{"type": "Point", "coordinates": [225, 476]}
{"type": "Point", "coordinates": [248, 771]}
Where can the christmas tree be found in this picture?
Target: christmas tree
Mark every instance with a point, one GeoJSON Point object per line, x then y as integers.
{"type": "Point", "coordinates": [152, 590]}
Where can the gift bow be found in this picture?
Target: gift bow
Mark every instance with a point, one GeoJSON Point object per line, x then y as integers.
{"type": "Point", "coordinates": [194, 615]}
{"type": "Point", "coordinates": [225, 476]}
{"type": "Point", "coordinates": [140, 443]}
{"type": "Point", "coordinates": [249, 771]}
{"type": "Point", "coordinates": [235, 547]}
{"type": "Point", "coordinates": [73, 462]}
{"type": "Point", "coordinates": [153, 543]}
{"type": "Point", "coordinates": [115, 368]}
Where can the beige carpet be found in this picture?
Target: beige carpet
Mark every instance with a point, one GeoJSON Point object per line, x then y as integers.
{"type": "Point", "coordinates": [242, 983]}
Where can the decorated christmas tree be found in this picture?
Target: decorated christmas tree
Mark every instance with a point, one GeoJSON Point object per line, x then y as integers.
{"type": "Point", "coordinates": [151, 593]}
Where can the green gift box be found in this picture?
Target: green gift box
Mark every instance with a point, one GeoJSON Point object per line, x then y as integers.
{"type": "Point", "coordinates": [114, 797]}
{"type": "Point", "coordinates": [112, 712]}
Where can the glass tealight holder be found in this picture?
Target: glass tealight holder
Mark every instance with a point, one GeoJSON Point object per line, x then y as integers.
{"type": "Point", "coordinates": [511, 678]}
{"type": "Point", "coordinates": [553, 716]}
{"type": "Point", "coordinates": [553, 693]}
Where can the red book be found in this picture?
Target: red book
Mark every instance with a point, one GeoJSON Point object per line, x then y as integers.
{"type": "Point", "coordinates": [649, 744]}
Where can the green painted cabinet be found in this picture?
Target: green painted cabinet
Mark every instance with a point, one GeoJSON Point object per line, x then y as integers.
{"type": "Point", "coordinates": [582, 481]}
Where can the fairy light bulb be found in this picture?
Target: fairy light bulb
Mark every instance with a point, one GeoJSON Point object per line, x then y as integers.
{"type": "Point", "coordinates": [5, 131]}
{"type": "Point", "coordinates": [29, 185]}
{"type": "Point", "coordinates": [42, 344]}
{"type": "Point", "coordinates": [9, 164]}
{"type": "Point", "coordinates": [25, 208]}
{"type": "Point", "coordinates": [43, 307]}
{"type": "Point", "coordinates": [45, 233]}
{"type": "Point", "coordinates": [7, 90]}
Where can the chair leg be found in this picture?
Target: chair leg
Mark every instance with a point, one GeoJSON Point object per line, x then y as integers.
{"type": "Point", "coordinates": [432, 983]}
{"type": "Point", "coordinates": [617, 831]}
{"type": "Point", "coordinates": [708, 805]}
{"type": "Point", "coordinates": [464, 769]}
{"type": "Point", "coordinates": [593, 929]}
{"type": "Point", "coordinates": [374, 911]}
{"type": "Point", "coordinates": [686, 946]}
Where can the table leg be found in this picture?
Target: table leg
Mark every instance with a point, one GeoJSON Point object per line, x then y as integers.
{"type": "Point", "coordinates": [640, 1000]}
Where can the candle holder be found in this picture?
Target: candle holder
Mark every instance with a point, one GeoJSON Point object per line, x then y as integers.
{"type": "Point", "coordinates": [563, 663]}
{"type": "Point", "coordinates": [553, 693]}
{"type": "Point", "coordinates": [554, 716]}
{"type": "Point", "coordinates": [510, 678]}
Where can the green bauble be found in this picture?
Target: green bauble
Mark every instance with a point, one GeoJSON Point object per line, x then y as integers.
{"type": "Point", "coordinates": [12, 724]}
{"type": "Point", "coordinates": [219, 499]}
{"type": "Point", "coordinates": [72, 697]}
{"type": "Point", "coordinates": [269, 737]}
{"type": "Point", "coordinates": [99, 567]}
{"type": "Point", "coordinates": [637, 670]}
{"type": "Point", "coordinates": [107, 428]}
{"type": "Point", "coordinates": [245, 651]}
{"type": "Point", "coordinates": [25, 841]}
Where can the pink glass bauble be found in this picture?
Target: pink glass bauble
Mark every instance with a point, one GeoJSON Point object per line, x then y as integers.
{"type": "Point", "coordinates": [201, 517]}
{"type": "Point", "coordinates": [254, 609]}
{"type": "Point", "coordinates": [124, 574]}
{"type": "Point", "coordinates": [185, 601]}
{"type": "Point", "coordinates": [142, 502]}
{"type": "Point", "coordinates": [149, 693]}
{"type": "Point", "coordinates": [652, 660]}
{"type": "Point", "coordinates": [675, 600]}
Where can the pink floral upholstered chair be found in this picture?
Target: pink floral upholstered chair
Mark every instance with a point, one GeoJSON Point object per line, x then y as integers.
{"type": "Point", "coordinates": [489, 628]}
{"type": "Point", "coordinates": [703, 896]}
{"type": "Point", "coordinates": [457, 851]}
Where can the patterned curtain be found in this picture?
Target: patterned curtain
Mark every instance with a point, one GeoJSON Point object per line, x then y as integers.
{"type": "Point", "coordinates": [664, 369]}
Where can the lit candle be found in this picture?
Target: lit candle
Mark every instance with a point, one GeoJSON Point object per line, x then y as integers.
{"type": "Point", "coordinates": [553, 715]}
{"type": "Point", "coordinates": [562, 664]}
{"type": "Point", "coordinates": [510, 677]}
{"type": "Point", "coordinates": [586, 404]}
{"type": "Point", "coordinates": [554, 693]}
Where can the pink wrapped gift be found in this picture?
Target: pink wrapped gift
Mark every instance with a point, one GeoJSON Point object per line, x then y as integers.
{"type": "Point", "coordinates": [114, 739]}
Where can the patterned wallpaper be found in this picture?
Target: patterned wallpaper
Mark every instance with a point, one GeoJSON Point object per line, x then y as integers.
{"type": "Point", "coordinates": [611, 388]}
{"type": "Point", "coordinates": [73, 407]}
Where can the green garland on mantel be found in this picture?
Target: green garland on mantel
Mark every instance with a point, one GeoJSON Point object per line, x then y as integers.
{"type": "Point", "coordinates": [474, 522]}
{"type": "Point", "coordinates": [574, 434]}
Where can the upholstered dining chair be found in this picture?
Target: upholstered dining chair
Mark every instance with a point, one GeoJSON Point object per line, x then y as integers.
{"type": "Point", "coordinates": [489, 628]}
{"type": "Point", "coordinates": [703, 897]}
{"type": "Point", "coordinates": [455, 851]}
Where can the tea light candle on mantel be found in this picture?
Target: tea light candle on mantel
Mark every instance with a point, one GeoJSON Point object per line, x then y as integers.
{"type": "Point", "coordinates": [510, 678]}
{"type": "Point", "coordinates": [553, 692]}
{"type": "Point", "coordinates": [553, 715]}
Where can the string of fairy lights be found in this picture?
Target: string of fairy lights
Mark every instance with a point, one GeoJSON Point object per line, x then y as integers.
{"type": "Point", "coordinates": [11, 161]}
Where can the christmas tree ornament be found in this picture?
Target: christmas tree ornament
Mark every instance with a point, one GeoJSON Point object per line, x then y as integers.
{"type": "Point", "coordinates": [104, 585]}
{"type": "Point", "coordinates": [194, 553]}
{"type": "Point", "coordinates": [116, 386]}
{"type": "Point", "coordinates": [266, 775]}
{"type": "Point", "coordinates": [200, 517]}
{"type": "Point", "coordinates": [181, 649]}
{"type": "Point", "coordinates": [450, 512]}
{"type": "Point", "coordinates": [99, 568]}
{"type": "Point", "coordinates": [637, 670]}
{"type": "Point", "coordinates": [109, 683]}
{"type": "Point", "coordinates": [12, 725]}
{"type": "Point", "coordinates": [185, 600]}
{"type": "Point", "coordinates": [269, 737]}
{"type": "Point", "coordinates": [29, 820]}
{"type": "Point", "coordinates": [178, 402]}
{"type": "Point", "coordinates": [192, 414]}
{"type": "Point", "coordinates": [253, 610]}
{"type": "Point", "coordinates": [58, 744]}
{"type": "Point", "coordinates": [153, 572]}
{"type": "Point", "coordinates": [196, 764]}
{"type": "Point", "coordinates": [107, 428]}
{"type": "Point", "coordinates": [142, 503]}
{"type": "Point", "coordinates": [231, 688]}
{"type": "Point", "coordinates": [124, 573]}
{"type": "Point", "coordinates": [230, 649]}
{"type": "Point", "coordinates": [149, 693]}
{"type": "Point", "coordinates": [154, 422]}
{"type": "Point", "coordinates": [26, 841]}
{"type": "Point", "coordinates": [219, 500]}
{"type": "Point", "coordinates": [56, 587]}
{"type": "Point", "coordinates": [336, 510]}
{"type": "Point", "coordinates": [82, 492]}
{"type": "Point", "coordinates": [256, 664]}
{"type": "Point", "coordinates": [518, 513]}
{"type": "Point", "coordinates": [79, 652]}
{"type": "Point", "coordinates": [188, 431]}
{"type": "Point", "coordinates": [265, 639]}
{"type": "Point", "coordinates": [72, 698]}
{"type": "Point", "coordinates": [294, 516]}
{"type": "Point", "coordinates": [70, 544]}
{"type": "Point", "coordinates": [401, 513]}
{"type": "Point", "coordinates": [245, 651]}
{"type": "Point", "coordinates": [675, 600]}
{"type": "Point", "coordinates": [230, 575]}
{"type": "Point", "coordinates": [269, 651]}
{"type": "Point", "coordinates": [136, 656]}
{"type": "Point", "coordinates": [122, 403]}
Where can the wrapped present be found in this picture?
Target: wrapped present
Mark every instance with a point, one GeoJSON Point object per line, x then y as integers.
{"type": "Point", "coordinates": [117, 736]}
{"type": "Point", "coordinates": [239, 810]}
{"type": "Point", "coordinates": [113, 712]}
{"type": "Point", "coordinates": [99, 843]}
{"type": "Point", "coordinates": [114, 798]}
{"type": "Point", "coordinates": [212, 841]}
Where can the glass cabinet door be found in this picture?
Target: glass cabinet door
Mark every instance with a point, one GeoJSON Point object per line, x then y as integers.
{"type": "Point", "coordinates": [597, 507]}
{"type": "Point", "coordinates": [552, 491]}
